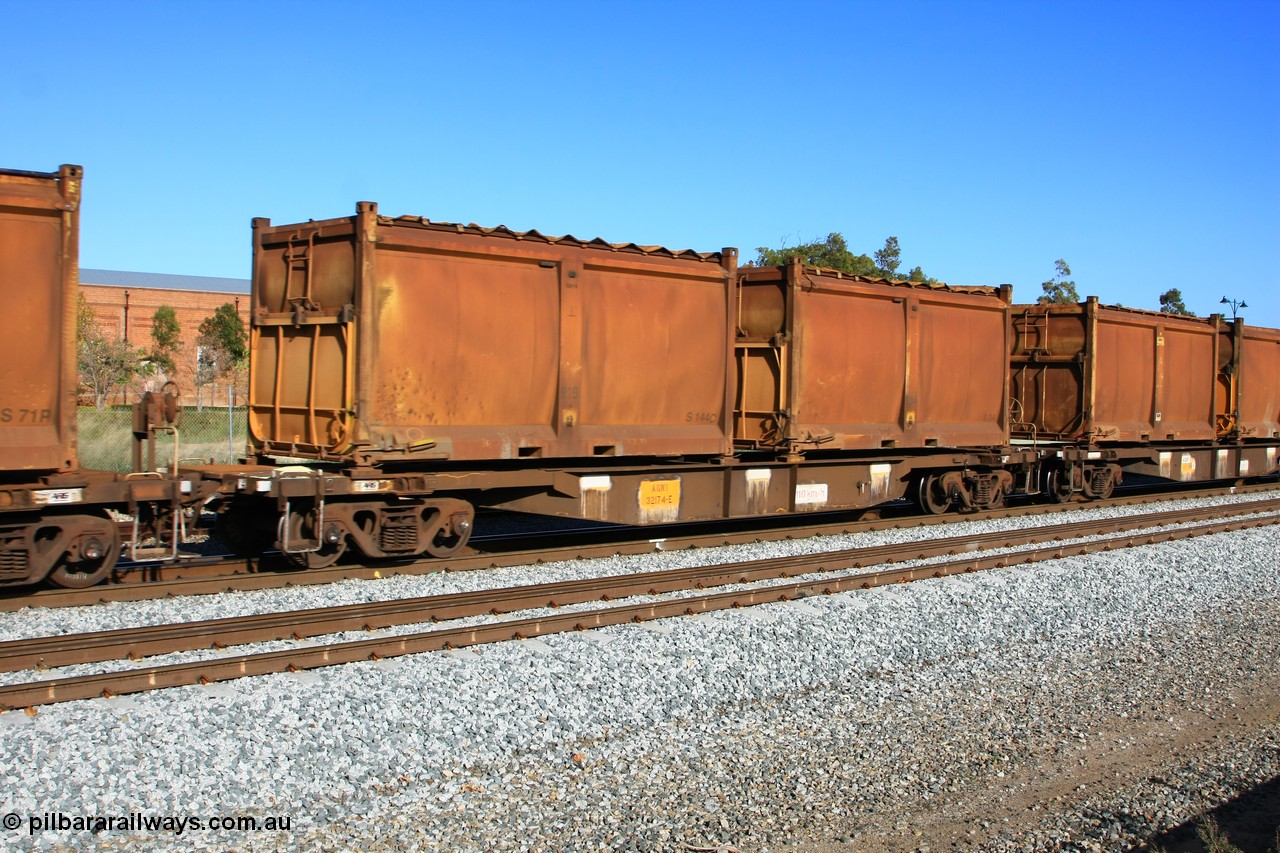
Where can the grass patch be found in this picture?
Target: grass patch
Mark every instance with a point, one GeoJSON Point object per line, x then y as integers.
{"type": "Point", "coordinates": [106, 437]}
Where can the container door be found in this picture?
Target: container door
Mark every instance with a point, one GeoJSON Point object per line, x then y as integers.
{"type": "Point", "coordinates": [302, 340]}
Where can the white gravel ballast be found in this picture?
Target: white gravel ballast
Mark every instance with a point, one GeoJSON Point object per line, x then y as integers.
{"type": "Point", "coordinates": [850, 720]}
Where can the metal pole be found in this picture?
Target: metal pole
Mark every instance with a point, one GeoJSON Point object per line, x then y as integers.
{"type": "Point", "coordinates": [231, 424]}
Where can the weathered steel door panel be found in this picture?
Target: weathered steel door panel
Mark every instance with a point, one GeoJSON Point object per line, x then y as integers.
{"type": "Point", "coordinates": [851, 364]}
{"type": "Point", "coordinates": [39, 256]}
{"type": "Point", "coordinates": [654, 361]}
{"type": "Point", "coordinates": [1124, 379]}
{"type": "Point", "coordinates": [1187, 381]}
{"type": "Point", "coordinates": [302, 338]}
{"type": "Point", "coordinates": [464, 341]}
{"type": "Point", "coordinates": [962, 384]}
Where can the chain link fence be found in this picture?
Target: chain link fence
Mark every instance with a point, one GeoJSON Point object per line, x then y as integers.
{"type": "Point", "coordinates": [217, 435]}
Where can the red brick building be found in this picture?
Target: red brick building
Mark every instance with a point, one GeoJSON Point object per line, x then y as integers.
{"type": "Point", "coordinates": [124, 304]}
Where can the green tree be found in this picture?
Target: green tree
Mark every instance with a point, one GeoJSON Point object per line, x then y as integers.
{"type": "Point", "coordinates": [889, 258]}
{"type": "Point", "coordinates": [223, 334]}
{"type": "Point", "coordinates": [1171, 302]}
{"type": "Point", "coordinates": [832, 253]}
{"type": "Point", "coordinates": [166, 338]}
{"type": "Point", "coordinates": [1059, 290]}
{"type": "Point", "coordinates": [223, 348]}
{"type": "Point", "coordinates": [103, 363]}
{"type": "Point", "coordinates": [917, 274]}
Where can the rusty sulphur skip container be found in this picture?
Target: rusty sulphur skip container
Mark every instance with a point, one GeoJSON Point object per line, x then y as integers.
{"type": "Point", "coordinates": [1092, 372]}
{"type": "Point", "coordinates": [39, 257]}
{"type": "Point", "coordinates": [829, 361]}
{"type": "Point", "coordinates": [378, 339]}
{"type": "Point", "coordinates": [1249, 381]}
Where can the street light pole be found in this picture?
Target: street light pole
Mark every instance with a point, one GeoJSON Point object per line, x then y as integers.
{"type": "Point", "coordinates": [1235, 304]}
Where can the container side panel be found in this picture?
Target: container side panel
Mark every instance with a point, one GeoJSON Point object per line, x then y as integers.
{"type": "Point", "coordinates": [851, 366]}
{"type": "Point", "coordinates": [654, 351]}
{"type": "Point", "coordinates": [1260, 384]}
{"type": "Point", "coordinates": [29, 250]}
{"type": "Point", "coordinates": [464, 341]}
{"type": "Point", "coordinates": [961, 373]}
{"type": "Point", "coordinates": [1115, 374]}
{"type": "Point", "coordinates": [1124, 379]}
{"type": "Point", "coordinates": [405, 339]}
{"type": "Point", "coordinates": [1189, 376]}
{"type": "Point", "coordinates": [36, 406]}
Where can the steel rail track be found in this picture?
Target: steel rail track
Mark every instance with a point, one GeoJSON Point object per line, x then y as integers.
{"type": "Point", "coordinates": [50, 652]}
{"type": "Point", "coordinates": [553, 595]}
{"type": "Point", "coordinates": [204, 578]}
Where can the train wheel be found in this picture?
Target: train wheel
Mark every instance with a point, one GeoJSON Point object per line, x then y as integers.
{"type": "Point", "coordinates": [98, 550]}
{"type": "Point", "coordinates": [931, 495]}
{"type": "Point", "coordinates": [997, 499]}
{"type": "Point", "coordinates": [1057, 485]}
{"type": "Point", "coordinates": [332, 545]}
{"type": "Point", "coordinates": [451, 536]}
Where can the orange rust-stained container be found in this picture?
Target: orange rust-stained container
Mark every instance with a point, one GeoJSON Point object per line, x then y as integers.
{"type": "Point", "coordinates": [39, 256]}
{"type": "Point", "coordinates": [1107, 374]}
{"type": "Point", "coordinates": [378, 339]}
{"type": "Point", "coordinates": [828, 361]}
{"type": "Point", "coordinates": [1249, 381]}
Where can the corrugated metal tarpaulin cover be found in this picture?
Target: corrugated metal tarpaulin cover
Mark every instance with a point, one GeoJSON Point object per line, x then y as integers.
{"type": "Point", "coordinates": [405, 338]}
{"type": "Point", "coordinates": [39, 252]}
{"type": "Point", "coordinates": [1103, 373]}
{"type": "Point", "coordinates": [830, 361]}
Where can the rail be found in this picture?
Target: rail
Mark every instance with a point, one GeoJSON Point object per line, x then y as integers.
{"type": "Point", "coordinates": [57, 651]}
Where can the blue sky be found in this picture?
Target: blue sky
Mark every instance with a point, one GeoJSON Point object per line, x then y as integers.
{"type": "Point", "coordinates": [1139, 141]}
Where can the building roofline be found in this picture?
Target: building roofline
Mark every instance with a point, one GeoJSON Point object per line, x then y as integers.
{"type": "Point", "coordinates": [163, 281]}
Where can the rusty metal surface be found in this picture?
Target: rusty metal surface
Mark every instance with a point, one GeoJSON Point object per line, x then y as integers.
{"type": "Point", "coordinates": [828, 361]}
{"type": "Point", "coordinates": [397, 339]}
{"type": "Point", "coordinates": [1100, 373]}
{"type": "Point", "coordinates": [39, 253]}
{"type": "Point", "coordinates": [1259, 383]}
